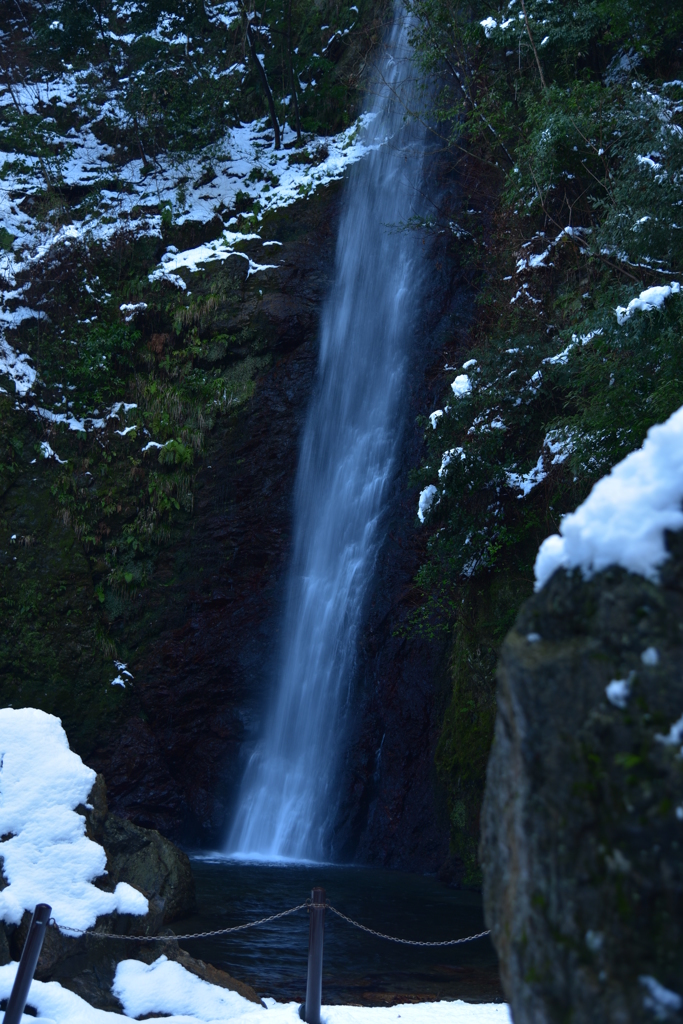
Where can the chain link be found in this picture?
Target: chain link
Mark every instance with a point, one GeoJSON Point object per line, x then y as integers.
{"type": "Point", "coordinates": [177, 938]}
{"type": "Point", "coordinates": [264, 920]}
{"type": "Point", "coordinates": [405, 942]}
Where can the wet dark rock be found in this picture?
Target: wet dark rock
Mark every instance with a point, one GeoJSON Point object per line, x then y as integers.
{"type": "Point", "coordinates": [582, 831]}
{"type": "Point", "coordinates": [144, 859]}
{"type": "Point", "coordinates": [5, 955]}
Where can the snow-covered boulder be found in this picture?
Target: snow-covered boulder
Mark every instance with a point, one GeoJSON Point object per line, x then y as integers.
{"type": "Point", "coordinates": [582, 824]}
{"type": "Point", "coordinates": [61, 846]}
{"type": "Point", "coordinates": [46, 854]}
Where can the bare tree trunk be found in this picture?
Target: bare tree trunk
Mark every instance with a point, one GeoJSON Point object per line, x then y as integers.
{"type": "Point", "coordinates": [295, 95]}
{"type": "Point", "coordinates": [264, 80]}
{"type": "Point", "coordinates": [533, 45]}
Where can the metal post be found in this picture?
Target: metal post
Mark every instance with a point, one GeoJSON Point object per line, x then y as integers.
{"type": "Point", "coordinates": [27, 964]}
{"type": "Point", "coordinates": [314, 981]}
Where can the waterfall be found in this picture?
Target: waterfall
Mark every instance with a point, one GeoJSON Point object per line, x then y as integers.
{"type": "Point", "coordinates": [287, 799]}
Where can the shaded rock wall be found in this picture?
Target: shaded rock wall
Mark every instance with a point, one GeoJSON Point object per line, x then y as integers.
{"type": "Point", "coordinates": [203, 679]}
{"type": "Point", "coordinates": [207, 629]}
{"type": "Point", "coordinates": [582, 825]}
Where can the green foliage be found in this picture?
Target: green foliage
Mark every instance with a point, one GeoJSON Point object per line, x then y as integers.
{"type": "Point", "coordinates": [567, 129]}
{"type": "Point", "coordinates": [583, 217]}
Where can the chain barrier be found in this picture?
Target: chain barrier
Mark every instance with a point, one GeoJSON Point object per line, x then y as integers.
{"type": "Point", "coordinates": [177, 938]}
{"type": "Point", "coordinates": [405, 942]}
{"type": "Point", "coordinates": [264, 920]}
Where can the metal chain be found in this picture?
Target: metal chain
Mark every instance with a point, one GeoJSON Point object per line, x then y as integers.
{"type": "Point", "coordinates": [405, 942]}
{"type": "Point", "coordinates": [177, 938]}
{"type": "Point", "coordinates": [264, 920]}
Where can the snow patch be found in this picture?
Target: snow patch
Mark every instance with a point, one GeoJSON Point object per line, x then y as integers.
{"type": "Point", "coordinates": [624, 518]}
{"type": "Point", "coordinates": [651, 298]}
{"type": "Point", "coordinates": [448, 457]}
{"type": "Point", "coordinates": [49, 453]}
{"type": "Point", "coordinates": [426, 501]}
{"type": "Point", "coordinates": [17, 366]}
{"type": "Point", "coordinates": [129, 310]}
{"type": "Point", "coordinates": [619, 691]}
{"type": "Point", "coordinates": [662, 1001]}
{"type": "Point", "coordinates": [462, 385]}
{"type": "Point", "coordinates": [674, 735]}
{"type": "Point", "coordinates": [48, 858]}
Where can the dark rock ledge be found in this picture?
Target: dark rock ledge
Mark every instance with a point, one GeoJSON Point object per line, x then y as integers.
{"type": "Point", "coordinates": [147, 861]}
{"type": "Point", "coordinates": [582, 837]}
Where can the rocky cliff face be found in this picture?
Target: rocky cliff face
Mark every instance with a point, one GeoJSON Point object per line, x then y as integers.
{"type": "Point", "coordinates": [206, 630]}
{"type": "Point", "coordinates": [583, 814]}
{"type": "Point", "coordinates": [198, 629]}
{"type": "Point", "coordinates": [205, 672]}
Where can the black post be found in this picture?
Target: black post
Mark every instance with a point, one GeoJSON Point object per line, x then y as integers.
{"type": "Point", "coordinates": [314, 982]}
{"type": "Point", "coordinates": [27, 964]}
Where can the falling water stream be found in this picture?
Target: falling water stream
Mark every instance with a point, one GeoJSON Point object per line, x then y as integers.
{"type": "Point", "coordinates": [286, 803]}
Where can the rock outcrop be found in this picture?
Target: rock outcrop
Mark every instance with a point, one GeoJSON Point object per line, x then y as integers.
{"type": "Point", "coordinates": [143, 858]}
{"type": "Point", "coordinates": [582, 825]}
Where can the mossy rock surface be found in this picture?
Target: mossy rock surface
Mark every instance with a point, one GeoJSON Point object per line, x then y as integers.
{"type": "Point", "coordinates": [582, 827]}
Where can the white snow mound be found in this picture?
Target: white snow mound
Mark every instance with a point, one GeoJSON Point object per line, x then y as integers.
{"type": "Point", "coordinates": [651, 298]}
{"type": "Point", "coordinates": [139, 984]}
{"type": "Point", "coordinates": [623, 519]}
{"type": "Point", "coordinates": [48, 858]}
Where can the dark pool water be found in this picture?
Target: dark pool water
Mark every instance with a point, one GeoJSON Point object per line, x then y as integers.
{"type": "Point", "coordinates": [358, 968]}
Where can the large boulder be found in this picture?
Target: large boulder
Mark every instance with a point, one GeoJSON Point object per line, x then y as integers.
{"type": "Point", "coordinates": [582, 823]}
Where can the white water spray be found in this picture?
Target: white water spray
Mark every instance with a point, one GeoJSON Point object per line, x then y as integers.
{"type": "Point", "coordinates": [287, 798]}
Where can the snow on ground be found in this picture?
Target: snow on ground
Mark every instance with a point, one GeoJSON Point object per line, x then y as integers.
{"type": "Point", "coordinates": [48, 858]}
{"type": "Point", "coordinates": [623, 519]}
{"type": "Point", "coordinates": [166, 987]}
{"type": "Point", "coordinates": [244, 162]}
